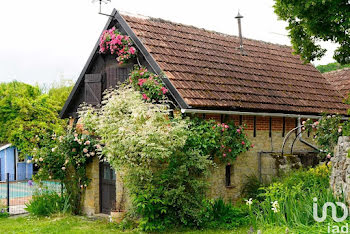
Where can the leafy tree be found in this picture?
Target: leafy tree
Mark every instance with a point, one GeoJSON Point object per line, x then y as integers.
{"type": "Point", "coordinates": [28, 116]}
{"type": "Point", "coordinates": [331, 67]}
{"type": "Point", "coordinates": [312, 21]}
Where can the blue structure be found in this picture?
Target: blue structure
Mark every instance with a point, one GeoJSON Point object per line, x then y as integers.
{"type": "Point", "coordinates": [9, 163]}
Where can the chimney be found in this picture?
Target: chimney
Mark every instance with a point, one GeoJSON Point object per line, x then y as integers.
{"type": "Point", "coordinates": [239, 17]}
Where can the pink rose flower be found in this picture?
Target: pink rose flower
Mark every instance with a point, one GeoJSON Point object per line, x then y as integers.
{"type": "Point", "coordinates": [164, 90]}
{"type": "Point", "coordinates": [243, 143]}
{"type": "Point", "coordinates": [238, 130]}
{"type": "Point", "coordinates": [132, 50]}
{"type": "Point", "coordinates": [85, 150]}
{"type": "Point", "coordinates": [229, 150]}
{"type": "Point", "coordinates": [144, 96]}
{"type": "Point", "coordinates": [74, 150]}
{"type": "Point", "coordinates": [224, 155]}
{"type": "Point", "coordinates": [222, 146]}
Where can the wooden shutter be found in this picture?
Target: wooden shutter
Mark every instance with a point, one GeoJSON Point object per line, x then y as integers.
{"type": "Point", "coordinates": [93, 89]}
{"type": "Point", "coordinates": [116, 75]}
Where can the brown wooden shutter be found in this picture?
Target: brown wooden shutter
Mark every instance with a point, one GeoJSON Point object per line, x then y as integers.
{"type": "Point", "coordinates": [93, 89]}
{"type": "Point", "coordinates": [115, 76]}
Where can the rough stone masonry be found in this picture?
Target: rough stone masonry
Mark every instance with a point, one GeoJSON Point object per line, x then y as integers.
{"type": "Point", "coordinates": [340, 176]}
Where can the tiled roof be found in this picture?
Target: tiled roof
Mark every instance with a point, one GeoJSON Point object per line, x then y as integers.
{"type": "Point", "coordinates": [209, 71]}
{"type": "Point", "coordinates": [340, 79]}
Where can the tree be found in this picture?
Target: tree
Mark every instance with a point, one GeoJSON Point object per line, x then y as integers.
{"type": "Point", "coordinates": [331, 67]}
{"type": "Point", "coordinates": [312, 21]}
{"type": "Point", "coordinates": [28, 116]}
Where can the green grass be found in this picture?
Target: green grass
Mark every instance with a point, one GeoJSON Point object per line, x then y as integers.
{"type": "Point", "coordinates": [81, 224]}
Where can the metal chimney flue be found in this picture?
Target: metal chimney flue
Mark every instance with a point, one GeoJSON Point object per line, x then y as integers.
{"type": "Point", "coordinates": [239, 17]}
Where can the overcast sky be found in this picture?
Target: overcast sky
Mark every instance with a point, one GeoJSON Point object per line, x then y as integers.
{"type": "Point", "coordinates": [44, 40]}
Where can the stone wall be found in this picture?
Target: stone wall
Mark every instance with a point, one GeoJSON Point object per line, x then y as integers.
{"type": "Point", "coordinates": [91, 204]}
{"type": "Point", "coordinates": [340, 177]}
{"type": "Point", "coordinates": [247, 164]}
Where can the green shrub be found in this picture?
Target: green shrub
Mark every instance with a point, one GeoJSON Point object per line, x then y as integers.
{"type": "Point", "coordinates": [3, 211]}
{"type": "Point", "coordinates": [45, 203]}
{"type": "Point", "coordinates": [289, 201]}
{"type": "Point", "coordinates": [251, 187]}
{"type": "Point", "coordinates": [218, 214]}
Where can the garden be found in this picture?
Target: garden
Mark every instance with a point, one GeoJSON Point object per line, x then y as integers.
{"type": "Point", "coordinates": [164, 160]}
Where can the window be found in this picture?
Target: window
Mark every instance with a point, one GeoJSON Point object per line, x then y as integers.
{"type": "Point", "coordinates": [228, 175]}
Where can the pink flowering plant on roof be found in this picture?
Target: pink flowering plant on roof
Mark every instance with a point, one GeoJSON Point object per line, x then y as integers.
{"type": "Point", "coordinates": [149, 84]}
{"type": "Point", "coordinates": [113, 42]}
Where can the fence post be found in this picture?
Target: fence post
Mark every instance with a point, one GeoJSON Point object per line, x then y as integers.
{"type": "Point", "coordinates": [8, 191]}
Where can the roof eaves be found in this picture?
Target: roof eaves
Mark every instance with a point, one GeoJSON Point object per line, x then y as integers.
{"type": "Point", "coordinates": [2, 147]}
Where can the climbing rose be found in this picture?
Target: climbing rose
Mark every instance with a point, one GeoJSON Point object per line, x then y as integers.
{"type": "Point", "coordinates": [164, 90]}
{"type": "Point", "coordinates": [85, 150]}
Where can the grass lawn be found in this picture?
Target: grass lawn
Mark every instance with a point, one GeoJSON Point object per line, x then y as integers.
{"type": "Point", "coordinates": [80, 224]}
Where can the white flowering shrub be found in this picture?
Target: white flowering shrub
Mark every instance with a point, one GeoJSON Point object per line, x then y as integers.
{"type": "Point", "coordinates": [164, 176]}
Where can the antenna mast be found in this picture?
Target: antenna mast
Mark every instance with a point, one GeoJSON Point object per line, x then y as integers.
{"type": "Point", "coordinates": [105, 2]}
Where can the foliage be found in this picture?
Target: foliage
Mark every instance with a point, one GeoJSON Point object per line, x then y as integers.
{"type": "Point", "coordinates": [65, 158]}
{"type": "Point", "coordinates": [331, 67]}
{"type": "Point", "coordinates": [222, 141]}
{"type": "Point", "coordinates": [219, 214]}
{"type": "Point", "coordinates": [251, 186]}
{"type": "Point", "coordinates": [28, 117]}
{"type": "Point", "coordinates": [149, 84]}
{"type": "Point", "coordinates": [3, 210]}
{"type": "Point", "coordinates": [165, 181]}
{"type": "Point", "coordinates": [289, 201]}
{"type": "Point", "coordinates": [46, 202]}
{"type": "Point", "coordinates": [313, 21]}
{"type": "Point", "coordinates": [113, 42]}
{"type": "Point", "coordinates": [164, 160]}
{"type": "Point", "coordinates": [327, 130]}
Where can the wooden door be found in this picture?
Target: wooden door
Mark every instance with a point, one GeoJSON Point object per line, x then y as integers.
{"type": "Point", "coordinates": [107, 187]}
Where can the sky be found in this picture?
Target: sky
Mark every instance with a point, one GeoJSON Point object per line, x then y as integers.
{"type": "Point", "coordinates": [45, 41]}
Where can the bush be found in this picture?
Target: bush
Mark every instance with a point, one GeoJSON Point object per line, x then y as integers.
{"type": "Point", "coordinates": [45, 203]}
{"type": "Point", "coordinates": [289, 201]}
{"type": "Point", "coordinates": [218, 214]}
{"type": "Point", "coordinates": [3, 211]}
{"type": "Point", "coordinates": [251, 187]}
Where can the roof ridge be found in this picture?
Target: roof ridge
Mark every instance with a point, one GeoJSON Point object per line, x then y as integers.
{"type": "Point", "coordinates": [157, 19]}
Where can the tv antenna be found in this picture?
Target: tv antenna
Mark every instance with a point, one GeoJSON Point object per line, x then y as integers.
{"type": "Point", "coordinates": [105, 2]}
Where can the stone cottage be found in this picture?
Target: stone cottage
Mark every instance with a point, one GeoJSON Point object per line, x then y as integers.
{"type": "Point", "coordinates": [213, 76]}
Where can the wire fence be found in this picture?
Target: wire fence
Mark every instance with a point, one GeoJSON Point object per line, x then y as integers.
{"type": "Point", "coordinates": [15, 194]}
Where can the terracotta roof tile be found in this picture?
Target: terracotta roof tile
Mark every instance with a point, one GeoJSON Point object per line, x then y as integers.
{"type": "Point", "coordinates": [209, 71]}
{"type": "Point", "coordinates": [340, 79]}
